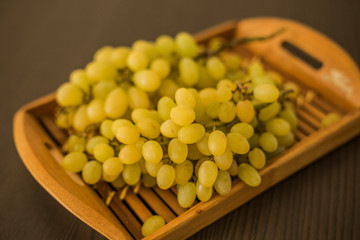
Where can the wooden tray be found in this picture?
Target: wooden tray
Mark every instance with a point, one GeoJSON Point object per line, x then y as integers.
{"type": "Point", "coordinates": [332, 75]}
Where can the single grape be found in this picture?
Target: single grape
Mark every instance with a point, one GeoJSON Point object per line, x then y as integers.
{"type": "Point", "coordinates": [223, 94]}
{"type": "Point", "coordinates": [165, 176]}
{"type": "Point", "coordinates": [266, 93]}
{"type": "Point", "coordinates": [92, 142]}
{"type": "Point", "coordinates": [257, 158]}
{"type": "Point", "coordinates": [222, 184]}
{"type": "Point", "coordinates": [207, 95]}
{"type": "Point", "coordinates": [177, 151]}
{"type": "Point", "coordinates": [185, 45]}
{"type": "Point", "coordinates": [81, 120]}
{"type": "Point", "coordinates": [69, 94]}
{"type": "Point", "coordinates": [74, 161]}
{"type": "Point", "coordinates": [256, 69]}
{"type": "Point", "coordinates": [102, 89]}
{"type": "Point", "coordinates": [202, 145]}
{"type": "Point", "coordinates": [289, 115]}
{"type": "Point", "coordinates": [119, 56]}
{"type": "Point", "coordinates": [92, 172]}
{"type": "Point", "coordinates": [152, 151]}
{"type": "Point", "coordinates": [119, 123]}
{"type": "Point", "coordinates": [65, 119]}
{"type": "Point", "coordinates": [183, 172]}
{"type": "Point", "coordinates": [161, 67]}
{"type": "Point", "coordinates": [238, 143]}
{"type": "Point", "coordinates": [207, 174]}
{"type": "Point", "coordinates": [130, 154]}
{"type": "Point", "coordinates": [79, 78]}
{"type": "Point", "coordinates": [286, 140]}
{"type": "Point", "coordinates": [116, 103]}
{"type": "Point", "coordinates": [145, 47]}
{"type": "Point", "coordinates": [104, 54]}
{"type": "Point", "coordinates": [138, 98]}
{"type": "Point", "coordinates": [330, 119]}
{"type": "Point", "coordinates": [191, 134]}
{"type": "Point", "coordinates": [106, 129]}
{"type": "Point", "coordinates": [147, 80]}
{"type": "Point", "coordinates": [278, 126]}
{"type": "Point", "coordinates": [164, 106]}
{"type": "Point", "coordinates": [233, 170]}
{"type": "Point", "coordinates": [99, 71]}
{"type": "Point", "coordinates": [169, 129]}
{"type": "Point", "coordinates": [165, 45]}
{"type": "Point", "coordinates": [184, 96]}
{"type": "Point", "coordinates": [75, 143]}
{"type": "Point", "coordinates": [216, 68]}
{"type": "Point", "coordinates": [137, 61]}
{"type": "Point", "coordinates": [112, 168]}
{"type": "Point", "coordinates": [212, 109]}
{"type": "Point", "coordinates": [189, 71]}
{"type": "Point", "coordinates": [128, 134]}
{"type": "Point", "coordinates": [249, 175]}
{"type": "Point", "coordinates": [119, 182]}
{"type": "Point", "coordinates": [245, 111]}
{"type": "Point", "coordinates": [182, 115]}
{"type": "Point", "coordinates": [186, 194]}
{"type": "Point", "coordinates": [293, 87]}
{"type": "Point", "coordinates": [227, 112]}
{"type": "Point", "coordinates": [203, 193]}
{"type": "Point", "coordinates": [152, 224]}
{"type": "Point", "coordinates": [244, 129]}
{"type": "Point", "coordinates": [95, 111]}
{"type": "Point", "coordinates": [217, 143]}
{"type": "Point", "coordinates": [225, 160]}
{"type": "Point", "coordinates": [103, 151]}
{"type": "Point", "coordinates": [232, 61]}
{"type": "Point", "coordinates": [148, 128]}
{"type": "Point", "coordinates": [268, 142]}
{"type": "Point", "coordinates": [153, 168]}
{"type": "Point", "coordinates": [269, 111]}
{"type": "Point", "coordinates": [131, 173]}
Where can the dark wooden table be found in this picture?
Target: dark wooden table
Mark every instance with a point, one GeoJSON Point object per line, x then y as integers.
{"type": "Point", "coordinates": [42, 41]}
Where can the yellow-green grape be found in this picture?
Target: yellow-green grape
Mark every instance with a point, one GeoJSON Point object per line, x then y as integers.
{"type": "Point", "coordinates": [198, 164]}
{"type": "Point", "coordinates": [64, 119]}
{"type": "Point", "coordinates": [161, 67]}
{"type": "Point", "coordinates": [207, 174]}
{"type": "Point", "coordinates": [168, 88]}
{"type": "Point", "coordinates": [233, 170]}
{"type": "Point", "coordinates": [255, 69]}
{"type": "Point", "coordinates": [278, 126]}
{"type": "Point", "coordinates": [275, 77]}
{"type": "Point", "coordinates": [185, 45]}
{"type": "Point", "coordinates": [81, 120]}
{"type": "Point", "coordinates": [140, 113]}
{"type": "Point", "coordinates": [215, 43]}
{"type": "Point", "coordinates": [99, 71]}
{"type": "Point", "coordinates": [148, 181]}
{"type": "Point", "coordinates": [330, 119]}
{"type": "Point", "coordinates": [119, 56]}
{"type": "Point", "coordinates": [119, 182]}
{"type": "Point", "coordinates": [223, 94]}
{"type": "Point", "coordinates": [216, 68]}
{"type": "Point", "coordinates": [182, 115]}
{"type": "Point", "coordinates": [142, 163]}
{"type": "Point", "coordinates": [186, 194]}
{"type": "Point", "coordinates": [249, 175]}
{"type": "Point", "coordinates": [74, 161]}
{"type": "Point", "coordinates": [152, 224]}
{"type": "Point", "coordinates": [191, 134]}
{"type": "Point", "coordinates": [169, 129]}
{"type": "Point", "coordinates": [289, 115]}
{"type": "Point", "coordinates": [200, 112]}
{"type": "Point", "coordinates": [131, 173]}
{"type": "Point", "coordinates": [116, 103]}
{"type": "Point", "coordinates": [261, 80]}
{"type": "Point", "coordinates": [244, 129]}
{"type": "Point", "coordinates": [268, 142]}
{"type": "Point", "coordinates": [207, 95]}
{"type": "Point", "coordinates": [193, 152]}
{"type": "Point", "coordinates": [145, 47]}
{"type": "Point", "coordinates": [152, 151]}
{"type": "Point", "coordinates": [286, 140]}
{"type": "Point", "coordinates": [184, 96]}
{"type": "Point", "coordinates": [266, 93]}
{"type": "Point", "coordinates": [165, 176]}
{"type": "Point", "coordinates": [148, 128]}
{"type": "Point", "coordinates": [189, 71]}
{"type": "Point", "coordinates": [269, 111]}
{"type": "Point", "coordinates": [183, 172]}
{"type": "Point", "coordinates": [227, 84]}
{"type": "Point", "coordinates": [153, 114]}
{"type": "Point", "coordinates": [153, 168]}
{"type": "Point", "coordinates": [112, 168]}
{"type": "Point", "coordinates": [205, 80]}
{"type": "Point", "coordinates": [165, 45]}
{"type": "Point", "coordinates": [238, 143]}
{"type": "Point", "coordinates": [139, 144]}
{"type": "Point", "coordinates": [291, 86]}
{"type": "Point", "coordinates": [137, 61]}
{"type": "Point", "coordinates": [103, 54]}
{"type": "Point", "coordinates": [202, 145]}
{"type": "Point", "coordinates": [138, 98]}
{"type": "Point", "coordinates": [106, 129]}
{"type": "Point", "coordinates": [147, 80]}
{"type": "Point", "coordinates": [217, 143]}
{"type": "Point", "coordinates": [177, 151]}
{"type": "Point", "coordinates": [130, 154]}
{"type": "Point", "coordinates": [164, 106]}
{"type": "Point", "coordinates": [75, 143]}
{"type": "Point", "coordinates": [212, 109]}
{"type": "Point", "coordinates": [103, 151]}
{"type": "Point", "coordinates": [245, 111]}
{"type": "Point", "coordinates": [203, 193]}
{"type": "Point", "coordinates": [92, 142]}
{"type": "Point", "coordinates": [227, 112]}
{"type": "Point", "coordinates": [92, 172]}
{"type": "Point", "coordinates": [257, 158]}
{"type": "Point", "coordinates": [222, 184]}
{"type": "Point", "coordinates": [119, 123]}
{"type": "Point", "coordinates": [79, 78]}
{"type": "Point", "coordinates": [232, 61]}
{"type": "Point", "coordinates": [102, 89]}
{"type": "Point", "coordinates": [225, 160]}
{"type": "Point", "coordinates": [95, 111]}
{"type": "Point", "coordinates": [69, 94]}
{"type": "Point", "coordinates": [254, 122]}
{"type": "Point", "coordinates": [128, 134]}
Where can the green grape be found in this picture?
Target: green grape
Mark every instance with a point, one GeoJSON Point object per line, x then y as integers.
{"type": "Point", "coordinates": [217, 143]}
{"type": "Point", "coordinates": [233, 170]}
{"type": "Point", "coordinates": [74, 161]}
{"type": "Point", "coordinates": [92, 172]}
{"type": "Point", "coordinates": [99, 71]}
{"type": "Point", "coordinates": [225, 160]}
{"type": "Point", "coordinates": [249, 175]}
{"type": "Point", "coordinates": [286, 140]}
{"type": "Point", "coordinates": [147, 80]}
{"type": "Point", "coordinates": [226, 83]}
{"type": "Point", "coordinates": [165, 45]}
{"type": "Point", "coordinates": [227, 112]}
{"type": "Point", "coordinates": [216, 68]}
{"type": "Point", "coordinates": [191, 134]}
{"type": "Point", "coordinates": [75, 143]}
{"type": "Point", "coordinates": [95, 111]}
{"type": "Point", "coordinates": [268, 142]}
{"type": "Point", "coordinates": [119, 182]}
{"type": "Point", "coordinates": [184, 96]}
{"type": "Point", "coordinates": [289, 115]}
{"type": "Point", "coordinates": [137, 61]}
{"type": "Point", "coordinates": [245, 111]}
{"type": "Point", "coordinates": [278, 126]}
{"type": "Point", "coordinates": [222, 184]}
{"type": "Point", "coordinates": [177, 151]}
{"type": "Point", "coordinates": [148, 128]}
{"type": "Point", "coordinates": [200, 112]}
{"type": "Point", "coordinates": [169, 129]}
{"type": "Point", "coordinates": [189, 71]}
{"type": "Point", "coordinates": [153, 168]}
{"type": "Point", "coordinates": [64, 119]}
{"type": "Point", "coordinates": [128, 134]}
{"type": "Point", "coordinates": [168, 88]}
{"type": "Point", "coordinates": [112, 168]}
{"type": "Point", "coordinates": [202, 145]}
{"type": "Point", "coordinates": [238, 143]}
{"type": "Point", "coordinates": [142, 163]}
{"type": "Point", "coordinates": [103, 151]}
{"type": "Point", "coordinates": [256, 69]}
{"type": "Point", "coordinates": [92, 142]}
{"type": "Point", "coordinates": [116, 103]}
{"type": "Point", "coordinates": [193, 152]}
{"type": "Point", "coordinates": [148, 181]}
{"type": "Point", "coordinates": [152, 151]}
{"type": "Point", "coordinates": [165, 176]}
{"type": "Point", "coordinates": [261, 80]}
{"type": "Point", "coordinates": [69, 94]}
{"type": "Point", "coordinates": [138, 98]}
{"type": "Point", "coordinates": [130, 154]}
{"type": "Point", "coordinates": [232, 61]}
{"type": "Point", "coordinates": [215, 43]}
{"type": "Point", "coordinates": [183, 172]}
{"type": "Point", "coordinates": [119, 123]}
{"type": "Point", "coordinates": [152, 224]}
{"type": "Point", "coordinates": [182, 115]}
{"type": "Point", "coordinates": [254, 141]}
{"type": "Point", "coordinates": [140, 113]}
{"type": "Point", "coordinates": [257, 158]}
{"type": "Point", "coordinates": [186, 194]}
{"type": "Point", "coordinates": [145, 47]}
{"type": "Point", "coordinates": [80, 79]}
{"type": "Point", "coordinates": [81, 120]}
{"type": "Point", "coordinates": [131, 173]}
{"type": "Point", "coordinates": [103, 54]}
{"type": "Point", "coordinates": [205, 80]}
{"type": "Point", "coordinates": [198, 164]}
{"type": "Point", "coordinates": [207, 95]}
{"type": "Point", "coordinates": [244, 129]}
{"type": "Point", "coordinates": [161, 67]}
{"type": "Point", "coordinates": [223, 94]}
{"type": "Point", "coordinates": [164, 106]}
{"type": "Point", "coordinates": [106, 129]}
{"type": "Point", "coordinates": [207, 174]}
{"type": "Point", "coordinates": [269, 111]}
{"type": "Point", "coordinates": [156, 116]}
{"type": "Point", "coordinates": [291, 86]}
{"type": "Point", "coordinates": [185, 45]}
{"type": "Point", "coordinates": [203, 193]}
{"type": "Point", "coordinates": [119, 56]}
{"type": "Point", "coordinates": [102, 89]}
{"type": "Point", "coordinates": [212, 109]}
{"type": "Point", "coordinates": [266, 93]}
{"type": "Point", "coordinates": [254, 122]}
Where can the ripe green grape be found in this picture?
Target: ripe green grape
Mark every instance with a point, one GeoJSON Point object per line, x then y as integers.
{"type": "Point", "coordinates": [145, 47]}
{"type": "Point", "coordinates": [106, 129]}
{"type": "Point", "coordinates": [65, 119]}
{"type": "Point", "coordinates": [75, 143]}
{"type": "Point", "coordinates": [165, 176]}
{"type": "Point", "coordinates": [191, 133]}
{"type": "Point", "coordinates": [119, 56]}
{"type": "Point", "coordinates": [128, 134]}
{"type": "Point", "coordinates": [286, 140]}
{"type": "Point", "coordinates": [99, 71]}
{"type": "Point", "coordinates": [153, 168]}
{"type": "Point", "coordinates": [137, 61]}
{"type": "Point", "coordinates": [268, 142]}
{"type": "Point", "coordinates": [112, 168]}
{"type": "Point", "coordinates": [244, 129]}
{"type": "Point", "coordinates": [131, 173]}
{"type": "Point", "coordinates": [256, 69]}
{"type": "Point", "coordinates": [152, 224]}
{"type": "Point", "coordinates": [130, 154]}
{"type": "Point", "coordinates": [79, 78]}
{"type": "Point", "coordinates": [278, 126]}
{"type": "Point", "coordinates": [186, 194]}
{"type": "Point", "coordinates": [203, 193]}
{"type": "Point", "coordinates": [225, 160]}
{"type": "Point", "coordinates": [164, 106]}
{"type": "Point", "coordinates": [249, 175]}
{"type": "Point", "coordinates": [238, 143]}
{"type": "Point", "coordinates": [148, 181]}
{"type": "Point", "coordinates": [217, 143]}
{"type": "Point", "coordinates": [185, 45]}
{"type": "Point", "coordinates": [119, 182]}
{"type": "Point", "coordinates": [152, 151]}
{"type": "Point", "coordinates": [69, 94]}
{"type": "Point", "coordinates": [212, 109]}
{"type": "Point", "coordinates": [266, 93]}
{"type": "Point", "coordinates": [184, 96]}
{"type": "Point", "coordinates": [233, 170]}
{"type": "Point", "coordinates": [189, 71]}
{"type": "Point", "coordinates": [92, 142]}
{"type": "Point", "coordinates": [232, 61]}
{"type": "Point", "coordinates": [193, 152]}
{"type": "Point", "coordinates": [116, 103]}
{"type": "Point", "coordinates": [177, 151]}
{"type": "Point", "coordinates": [223, 94]}
{"type": "Point", "coordinates": [95, 111]}
{"type": "Point", "coordinates": [257, 158]}
{"type": "Point", "coordinates": [103, 54]}
{"type": "Point", "coordinates": [183, 172]}
{"type": "Point", "coordinates": [245, 111]}
{"type": "Point", "coordinates": [269, 111]}
{"type": "Point", "coordinates": [103, 151]}
{"type": "Point", "coordinates": [216, 68]}
{"type": "Point", "coordinates": [92, 172]}
{"type": "Point", "coordinates": [147, 80]}
{"type": "Point", "coordinates": [161, 67]}
{"type": "Point", "coordinates": [291, 86]}
{"type": "Point", "coordinates": [140, 113]}
{"type": "Point", "coordinates": [182, 115]}
{"type": "Point", "coordinates": [119, 123]}
{"type": "Point", "coordinates": [289, 115]}
{"type": "Point", "coordinates": [102, 89]}
{"type": "Point", "coordinates": [165, 45]}
{"type": "Point", "coordinates": [202, 145]}
{"type": "Point", "coordinates": [148, 128]}
{"type": "Point", "coordinates": [169, 129]}
{"type": "Point", "coordinates": [74, 161]}
{"type": "Point", "coordinates": [227, 112]}
{"type": "Point", "coordinates": [138, 98]}
{"type": "Point", "coordinates": [222, 183]}
{"type": "Point", "coordinates": [207, 174]}
{"type": "Point", "coordinates": [81, 120]}
{"type": "Point", "coordinates": [207, 95]}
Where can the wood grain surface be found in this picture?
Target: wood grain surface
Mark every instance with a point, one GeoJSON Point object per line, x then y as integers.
{"type": "Point", "coordinates": [42, 41]}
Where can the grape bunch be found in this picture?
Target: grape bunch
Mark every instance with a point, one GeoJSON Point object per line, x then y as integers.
{"type": "Point", "coordinates": [175, 113]}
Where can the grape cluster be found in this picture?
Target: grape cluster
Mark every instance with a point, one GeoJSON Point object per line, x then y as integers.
{"type": "Point", "coordinates": [158, 114]}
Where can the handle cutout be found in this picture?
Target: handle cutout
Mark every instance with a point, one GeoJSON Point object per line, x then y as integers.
{"type": "Point", "coordinates": [301, 54]}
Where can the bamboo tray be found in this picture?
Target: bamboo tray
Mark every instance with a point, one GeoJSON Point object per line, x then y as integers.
{"type": "Point", "coordinates": [300, 54]}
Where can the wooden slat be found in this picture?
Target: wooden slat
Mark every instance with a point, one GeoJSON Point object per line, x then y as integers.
{"type": "Point", "coordinates": [325, 106]}
{"type": "Point", "coordinates": [305, 128]}
{"type": "Point", "coordinates": [314, 111]}
{"type": "Point", "coordinates": [308, 118]}
{"type": "Point", "coordinates": [170, 200]}
{"type": "Point", "coordinates": [53, 129]}
{"type": "Point", "coordinates": [138, 207]}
